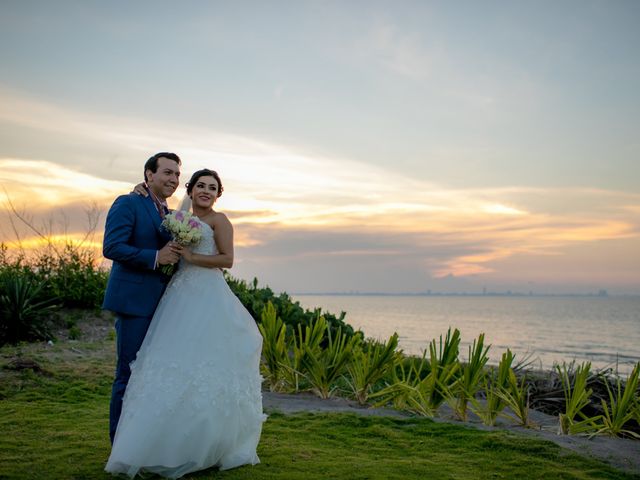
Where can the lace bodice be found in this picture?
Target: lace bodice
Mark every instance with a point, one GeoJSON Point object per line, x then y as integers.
{"type": "Point", "coordinates": [193, 273]}
{"type": "Point", "coordinates": [206, 246]}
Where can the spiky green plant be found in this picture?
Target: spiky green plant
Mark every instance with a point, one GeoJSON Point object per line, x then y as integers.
{"type": "Point", "coordinates": [402, 386]}
{"type": "Point", "coordinates": [470, 379]}
{"type": "Point", "coordinates": [370, 363]}
{"type": "Point", "coordinates": [322, 368]}
{"type": "Point", "coordinates": [621, 407]}
{"type": "Point", "coordinates": [516, 397]}
{"type": "Point", "coordinates": [444, 366]}
{"type": "Point", "coordinates": [275, 350]}
{"type": "Point", "coordinates": [494, 382]}
{"type": "Point", "coordinates": [306, 340]}
{"type": "Point", "coordinates": [424, 394]}
{"type": "Point", "coordinates": [23, 312]}
{"type": "Point", "coordinates": [576, 398]}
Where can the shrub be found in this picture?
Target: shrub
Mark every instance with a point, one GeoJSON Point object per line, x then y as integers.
{"type": "Point", "coordinates": [495, 382]}
{"type": "Point", "coordinates": [323, 367]}
{"type": "Point", "coordinates": [471, 378]}
{"type": "Point", "coordinates": [291, 312]}
{"type": "Point", "coordinates": [371, 362]}
{"type": "Point", "coordinates": [516, 397]}
{"type": "Point", "coordinates": [23, 311]}
{"type": "Point", "coordinates": [622, 406]}
{"type": "Point", "coordinates": [275, 349]}
{"type": "Point", "coordinates": [72, 277]}
{"type": "Point", "coordinates": [576, 397]}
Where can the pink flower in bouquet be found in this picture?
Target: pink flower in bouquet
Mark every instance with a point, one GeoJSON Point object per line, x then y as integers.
{"type": "Point", "coordinates": [185, 230]}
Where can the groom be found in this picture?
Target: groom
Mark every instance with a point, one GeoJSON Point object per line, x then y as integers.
{"type": "Point", "coordinates": [138, 247]}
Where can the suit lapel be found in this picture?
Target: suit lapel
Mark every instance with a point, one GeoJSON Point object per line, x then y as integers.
{"type": "Point", "coordinates": [154, 216]}
{"type": "Point", "coordinates": [150, 208]}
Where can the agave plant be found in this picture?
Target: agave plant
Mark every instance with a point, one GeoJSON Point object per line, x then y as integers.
{"type": "Point", "coordinates": [516, 397]}
{"type": "Point", "coordinates": [22, 311]}
{"type": "Point", "coordinates": [369, 364]}
{"type": "Point", "coordinates": [402, 391]}
{"type": "Point", "coordinates": [576, 398]}
{"type": "Point", "coordinates": [322, 368]}
{"type": "Point", "coordinates": [306, 340]}
{"type": "Point", "coordinates": [275, 350]}
{"type": "Point", "coordinates": [424, 394]}
{"type": "Point", "coordinates": [622, 406]}
{"type": "Point", "coordinates": [470, 379]}
{"type": "Point", "coordinates": [494, 383]}
{"type": "Point", "coordinates": [444, 366]}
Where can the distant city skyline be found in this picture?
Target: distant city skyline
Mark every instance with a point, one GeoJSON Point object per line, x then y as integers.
{"type": "Point", "coordinates": [488, 293]}
{"type": "Point", "coordinates": [363, 146]}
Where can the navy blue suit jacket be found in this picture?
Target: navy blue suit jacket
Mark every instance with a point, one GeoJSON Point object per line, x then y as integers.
{"type": "Point", "coordinates": [132, 237]}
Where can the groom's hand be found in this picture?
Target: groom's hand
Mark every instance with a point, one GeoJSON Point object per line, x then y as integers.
{"type": "Point", "coordinates": [169, 254]}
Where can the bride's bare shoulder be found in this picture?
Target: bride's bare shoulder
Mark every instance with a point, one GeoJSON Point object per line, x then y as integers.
{"type": "Point", "coordinates": [218, 220]}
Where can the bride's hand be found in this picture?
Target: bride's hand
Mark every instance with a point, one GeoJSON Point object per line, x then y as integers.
{"type": "Point", "coordinates": [140, 190]}
{"type": "Point", "coordinates": [187, 254]}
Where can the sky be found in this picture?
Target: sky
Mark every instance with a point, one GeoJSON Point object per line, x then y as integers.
{"type": "Point", "coordinates": [367, 146]}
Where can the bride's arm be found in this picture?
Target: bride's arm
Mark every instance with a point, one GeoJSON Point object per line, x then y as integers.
{"type": "Point", "coordinates": [224, 241]}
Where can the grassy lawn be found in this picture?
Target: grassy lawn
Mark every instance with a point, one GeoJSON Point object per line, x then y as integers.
{"type": "Point", "coordinates": [53, 425]}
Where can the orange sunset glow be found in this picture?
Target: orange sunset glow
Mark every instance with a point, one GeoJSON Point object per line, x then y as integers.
{"type": "Point", "coordinates": [381, 160]}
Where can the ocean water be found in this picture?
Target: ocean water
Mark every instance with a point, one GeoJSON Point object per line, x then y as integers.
{"type": "Point", "coordinates": [603, 330]}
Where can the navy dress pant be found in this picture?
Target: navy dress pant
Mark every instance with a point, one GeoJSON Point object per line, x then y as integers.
{"type": "Point", "coordinates": [130, 333]}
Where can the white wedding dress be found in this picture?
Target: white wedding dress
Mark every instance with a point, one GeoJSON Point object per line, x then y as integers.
{"type": "Point", "coordinates": [194, 397]}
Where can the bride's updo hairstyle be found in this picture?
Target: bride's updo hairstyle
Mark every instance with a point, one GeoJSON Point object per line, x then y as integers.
{"type": "Point", "coordinates": [205, 172]}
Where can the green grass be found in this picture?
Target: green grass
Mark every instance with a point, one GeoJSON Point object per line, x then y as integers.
{"type": "Point", "coordinates": [54, 426]}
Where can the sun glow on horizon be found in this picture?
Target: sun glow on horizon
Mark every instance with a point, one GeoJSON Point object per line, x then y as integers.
{"type": "Point", "coordinates": [276, 188]}
{"type": "Point", "coordinates": [48, 184]}
{"type": "Point", "coordinates": [37, 243]}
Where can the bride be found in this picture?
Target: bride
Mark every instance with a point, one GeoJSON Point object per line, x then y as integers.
{"type": "Point", "coordinates": [194, 398]}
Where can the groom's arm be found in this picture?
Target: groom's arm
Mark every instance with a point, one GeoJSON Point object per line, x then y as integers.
{"type": "Point", "coordinates": [118, 232]}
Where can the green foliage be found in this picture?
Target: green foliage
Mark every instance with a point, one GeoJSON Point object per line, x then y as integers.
{"type": "Point", "coordinates": [23, 310]}
{"type": "Point", "coordinates": [370, 362]}
{"type": "Point", "coordinates": [401, 390]}
{"type": "Point", "coordinates": [72, 277]}
{"type": "Point", "coordinates": [444, 366]}
{"type": "Point", "coordinates": [622, 406]}
{"type": "Point", "coordinates": [292, 314]}
{"type": "Point", "coordinates": [307, 339]}
{"type": "Point", "coordinates": [576, 397]}
{"type": "Point", "coordinates": [494, 382]}
{"type": "Point", "coordinates": [516, 397]}
{"type": "Point", "coordinates": [275, 349]}
{"type": "Point", "coordinates": [29, 288]}
{"type": "Point", "coordinates": [471, 378]}
{"type": "Point", "coordinates": [322, 367]}
{"type": "Point", "coordinates": [421, 386]}
{"type": "Point", "coordinates": [283, 357]}
{"type": "Point", "coordinates": [74, 333]}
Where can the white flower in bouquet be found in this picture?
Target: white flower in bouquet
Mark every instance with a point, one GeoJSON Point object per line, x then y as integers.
{"type": "Point", "coordinates": [185, 230]}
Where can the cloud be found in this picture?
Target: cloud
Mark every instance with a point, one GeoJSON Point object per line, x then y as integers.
{"type": "Point", "coordinates": [296, 211]}
{"type": "Point", "coordinates": [37, 184]}
{"type": "Point", "coordinates": [402, 53]}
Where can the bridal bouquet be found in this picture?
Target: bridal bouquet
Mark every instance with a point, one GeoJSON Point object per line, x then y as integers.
{"type": "Point", "coordinates": [185, 230]}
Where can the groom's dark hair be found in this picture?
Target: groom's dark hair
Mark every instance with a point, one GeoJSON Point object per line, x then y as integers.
{"type": "Point", "coordinates": [152, 163]}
